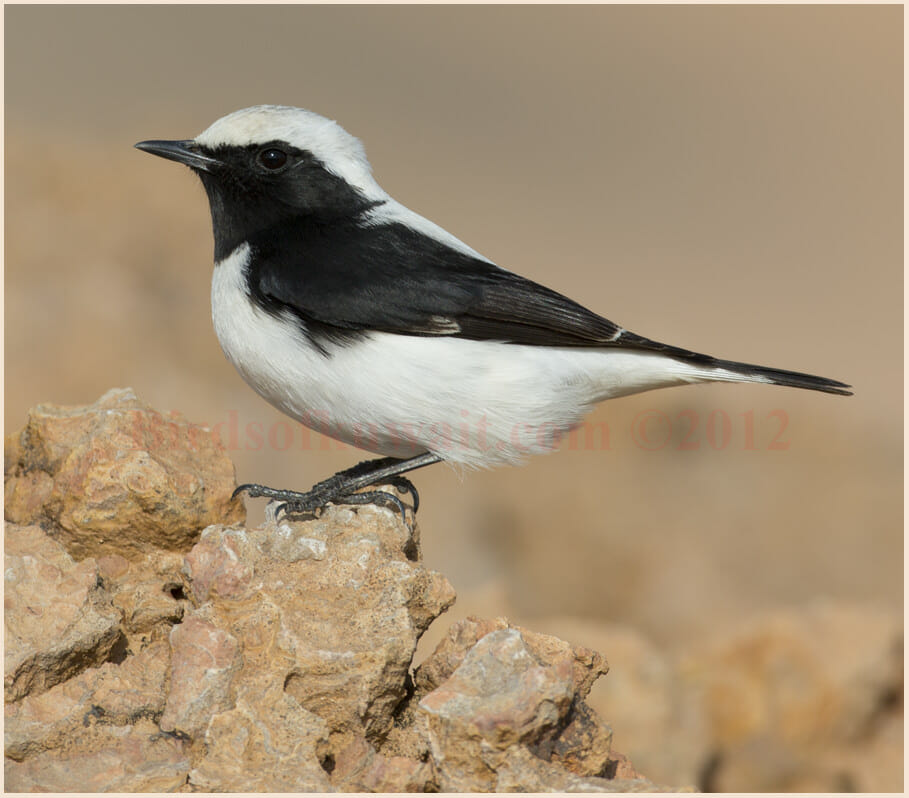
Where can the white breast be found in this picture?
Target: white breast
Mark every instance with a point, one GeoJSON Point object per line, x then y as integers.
{"type": "Point", "coordinates": [477, 403]}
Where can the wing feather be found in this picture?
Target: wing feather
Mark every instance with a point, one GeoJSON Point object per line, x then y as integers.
{"type": "Point", "coordinates": [392, 279]}
{"type": "Point", "coordinates": [343, 280]}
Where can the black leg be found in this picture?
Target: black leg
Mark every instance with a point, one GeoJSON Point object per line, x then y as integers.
{"type": "Point", "coordinates": [341, 488]}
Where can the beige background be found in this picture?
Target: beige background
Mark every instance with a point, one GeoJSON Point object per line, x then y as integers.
{"type": "Point", "coordinates": [728, 179]}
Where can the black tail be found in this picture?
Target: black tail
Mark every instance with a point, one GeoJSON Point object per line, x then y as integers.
{"type": "Point", "coordinates": [748, 372]}
{"type": "Point", "coordinates": [793, 379]}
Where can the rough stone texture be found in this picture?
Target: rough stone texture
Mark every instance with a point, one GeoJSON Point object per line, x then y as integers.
{"type": "Point", "coordinates": [266, 743]}
{"type": "Point", "coordinates": [585, 664]}
{"type": "Point", "coordinates": [343, 645]}
{"type": "Point", "coordinates": [105, 759]}
{"type": "Point", "coordinates": [148, 592]}
{"type": "Point", "coordinates": [144, 653]}
{"type": "Point", "coordinates": [584, 746]}
{"type": "Point", "coordinates": [325, 616]}
{"type": "Point", "coordinates": [801, 699]}
{"type": "Point", "coordinates": [204, 660]}
{"type": "Point", "coordinates": [58, 618]}
{"type": "Point", "coordinates": [92, 472]}
{"type": "Point", "coordinates": [644, 698]}
{"type": "Point", "coordinates": [520, 771]}
{"type": "Point", "coordinates": [502, 709]}
{"type": "Point", "coordinates": [112, 694]}
{"type": "Point", "coordinates": [359, 768]}
{"type": "Point", "coordinates": [502, 693]}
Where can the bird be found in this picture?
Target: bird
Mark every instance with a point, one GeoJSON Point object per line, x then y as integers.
{"type": "Point", "coordinates": [365, 321]}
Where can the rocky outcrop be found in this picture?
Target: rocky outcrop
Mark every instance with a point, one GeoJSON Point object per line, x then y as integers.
{"type": "Point", "coordinates": [495, 700]}
{"type": "Point", "coordinates": [154, 642]}
{"type": "Point", "coordinates": [116, 477]}
{"type": "Point", "coordinates": [59, 620]}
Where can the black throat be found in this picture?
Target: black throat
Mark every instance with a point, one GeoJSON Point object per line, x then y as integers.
{"type": "Point", "coordinates": [247, 202]}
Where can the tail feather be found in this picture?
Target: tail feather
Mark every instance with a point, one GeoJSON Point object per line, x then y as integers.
{"type": "Point", "coordinates": [734, 371]}
{"type": "Point", "coordinates": [792, 379]}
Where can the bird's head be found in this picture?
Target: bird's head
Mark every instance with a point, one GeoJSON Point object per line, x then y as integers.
{"type": "Point", "coordinates": [269, 163]}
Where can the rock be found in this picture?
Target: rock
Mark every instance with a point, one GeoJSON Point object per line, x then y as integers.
{"type": "Point", "coordinates": [328, 610]}
{"type": "Point", "coordinates": [112, 694]}
{"type": "Point", "coordinates": [59, 620]}
{"type": "Point", "coordinates": [502, 709]}
{"type": "Point", "coordinates": [584, 746]}
{"type": "Point", "coordinates": [499, 697]}
{"type": "Point", "coordinates": [359, 768]}
{"type": "Point", "coordinates": [520, 771]}
{"type": "Point", "coordinates": [148, 592]}
{"type": "Point", "coordinates": [501, 693]}
{"type": "Point", "coordinates": [145, 653]}
{"type": "Point", "coordinates": [204, 661]}
{"type": "Point", "coordinates": [90, 473]}
{"type": "Point", "coordinates": [451, 650]}
{"type": "Point", "coordinates": [264, 743]}
{"type": "Point", "coordinates": [586, 665]}
{"type": "Point", "coordinates": [105, 759]}
{"type": "Point", "coordinates": [664, 735]}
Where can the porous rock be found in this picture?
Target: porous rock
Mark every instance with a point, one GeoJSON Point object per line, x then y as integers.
{"type": "Point", "coordinates": [117, 477]}
{"type": "Point", "coordinates": [266, 742]}
{"type": "Point", "coordinates": [502, 709]}
{"type": "Point", "coordinates": [112, 694]}
{"type": "Point", "coordinates": [663, 734]}
{"type": "Point", "coordinates": [204, 660]}
{"type": "Point", "coordinates": [519, 770]}
{"type": "Point", "coordinates": [148, 592]}
{"type": "Point", "coordinates": [358, 767]}
{"type": "Point", "coordinates": [145, 653]}
{"type": "Point", "coordinates": [328, 611]}
{"type": "Point", "coordinates": [134, 758]}
{"type": "Point", "coordinates": [296, 649]}
{"type": "Point", "coordinates": [59, 620]}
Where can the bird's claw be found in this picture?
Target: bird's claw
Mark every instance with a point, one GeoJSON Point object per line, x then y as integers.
{"type": "Point", "coordinates": [404, 485]}
{"type": "Point", "coordinates": [294, 503]}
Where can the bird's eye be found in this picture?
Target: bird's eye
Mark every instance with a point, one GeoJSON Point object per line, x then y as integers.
{"type": "Point", "coordinates": [272, 158]}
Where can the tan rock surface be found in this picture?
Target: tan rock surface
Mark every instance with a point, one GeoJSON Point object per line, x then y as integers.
{"type": "Point", "coordinates": [148, 592]}
{"type": "Point", "coordinates": [663, 733]}
{"type": "Point", "coordinates": [499, 697]}
{"type": "Point", "coordinates": [145, 653]}
{"type": "Point", "coordinates": [502, 708]}
{"type": "Point", "coordinates": [58, 618]}
{"type": "Point", "coordinates": [105, 759]}
{"type": "Point", "coordinates": [327, 611]}
{"type": "Point", "coordinates": [204, 660]}
{"type": "Point", "coordinates": [359, 768]}
{"type": "Point", "coordinates": [112, 694]}
{"type": "Point", "coordinates": [801, 699]}
{"type": "Point", "coordinates": [96, 470]}
{"type": "Point", "coordinates": [264, 743]}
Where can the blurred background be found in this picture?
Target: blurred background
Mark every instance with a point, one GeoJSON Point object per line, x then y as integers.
{"type": "Point", "coordinates": [724, 178]}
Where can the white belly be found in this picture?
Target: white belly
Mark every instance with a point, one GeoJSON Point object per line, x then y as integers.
{"type": "Point", "coordinates": [477, 403]}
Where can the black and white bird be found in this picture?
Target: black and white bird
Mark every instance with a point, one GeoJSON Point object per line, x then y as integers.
{"type": "Point", "coordinates": [365, 321]}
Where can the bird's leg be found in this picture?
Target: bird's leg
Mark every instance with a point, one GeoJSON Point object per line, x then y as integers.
{"type": "Point", "coordinates": [341, 488]}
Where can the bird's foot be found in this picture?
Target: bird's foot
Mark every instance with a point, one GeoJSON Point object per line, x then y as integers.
{"type": "Point", "coordinates": [331, 491]}
{"type": "Point", "coordinates": [344, 487]}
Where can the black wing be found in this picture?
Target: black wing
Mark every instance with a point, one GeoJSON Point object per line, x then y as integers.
{"type": "Point", "coordinates": [393, 279]}
{"type": "Point", "coordinates": [343, 280]}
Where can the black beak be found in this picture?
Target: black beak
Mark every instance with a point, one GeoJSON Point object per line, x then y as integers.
{"type": "Point", "coordinates": [185, 152]}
